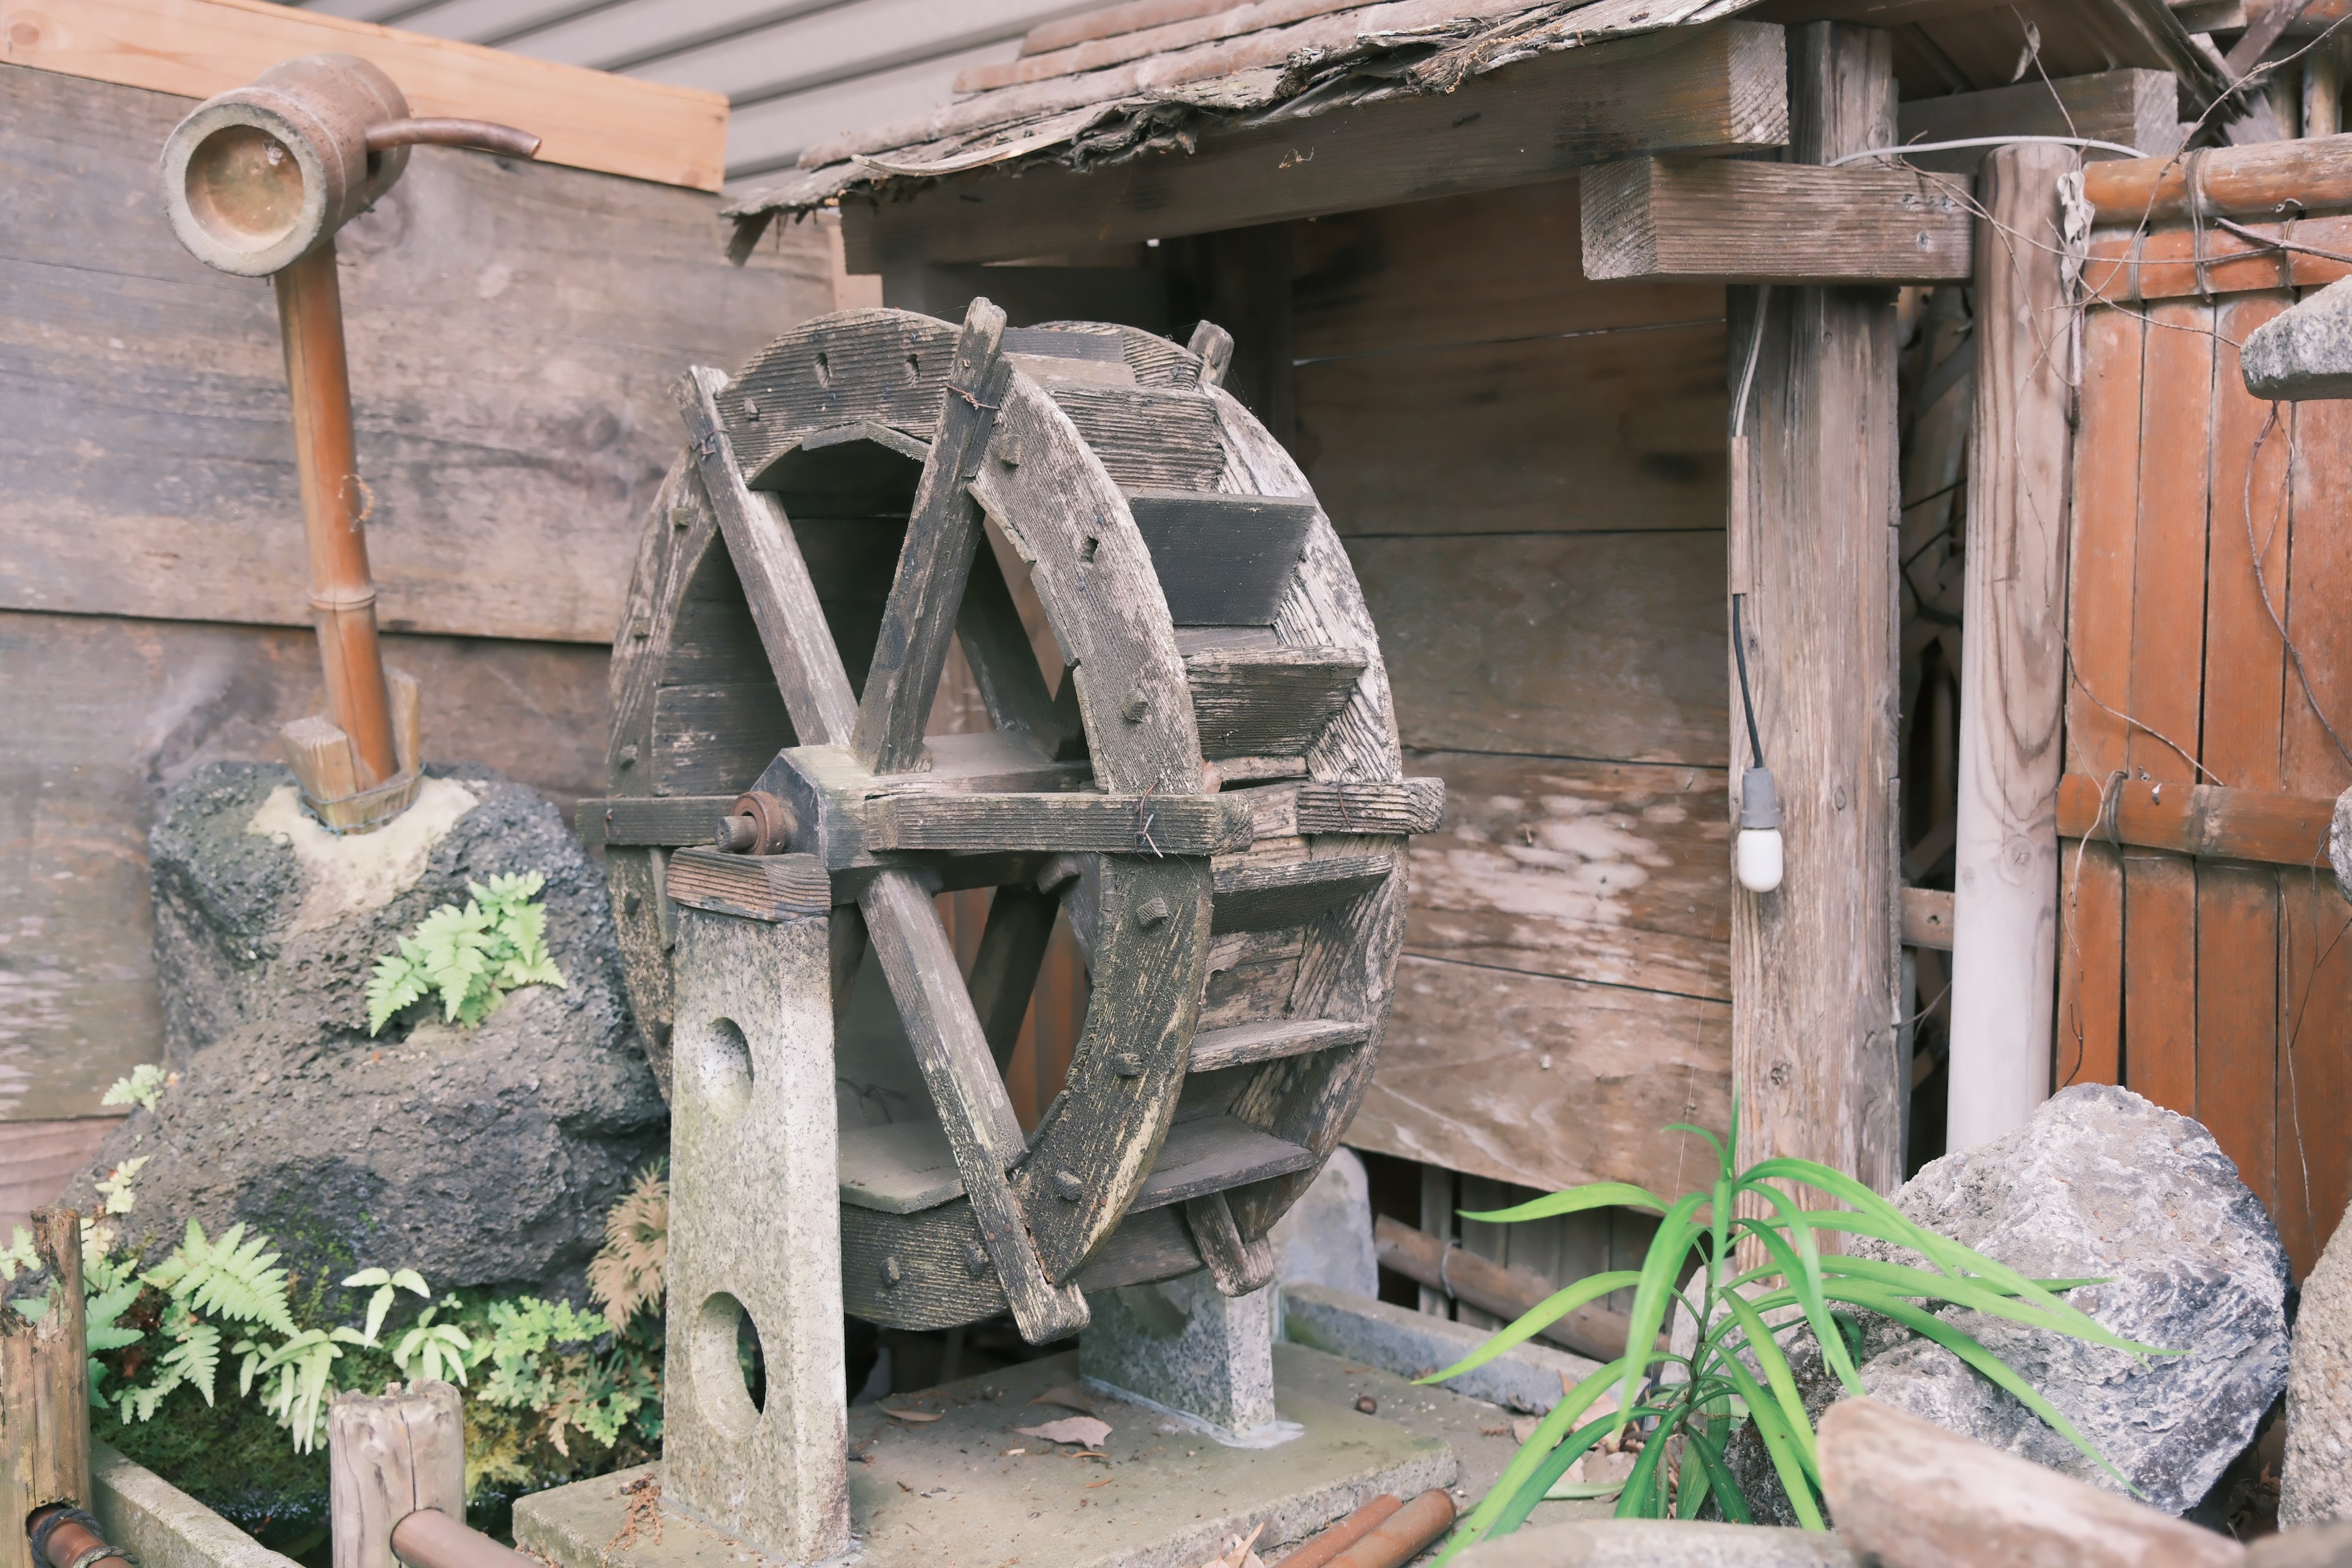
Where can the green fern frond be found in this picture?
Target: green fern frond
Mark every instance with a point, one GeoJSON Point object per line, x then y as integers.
{"type": "Point", "coordinates": [397, 982]}
{"type": "Point", "coordinates": [143, 1087]}
{"type": "Point", "coordinates": [233, 1278]}
{"type": "Point", "coordinates": [467, 958]}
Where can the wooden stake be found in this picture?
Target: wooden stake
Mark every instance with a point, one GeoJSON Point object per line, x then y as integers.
{"type": "Point", "coordinates": [388, 1456]}
{"type": "Point", "coordinates": [44, 1392]}
{"type": "Point", "coordinates": [1815, 963]}
{"type": "Point", "coordinates": [2014, 657]}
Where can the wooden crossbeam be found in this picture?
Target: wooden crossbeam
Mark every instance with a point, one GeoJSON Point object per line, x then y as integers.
{"type": "Point", "coordinates": [1709, 90]}
{"type": "Point", "coordinates": [2130, 108]}
{"type": "Point", "coordinates": [1774, 223]}
{"type": "Point", "coordinates": [2198, 819]}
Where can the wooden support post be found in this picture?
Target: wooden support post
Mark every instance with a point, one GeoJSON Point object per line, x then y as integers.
{"type": "Point", "coordinates": [1814, 965]}
{"type": "Point", "coordinates": [389, 1455]}
{"type": "Point", "coordinates": [44, 1392]}
{"type": "Point", "coordinates": [2013, 659]}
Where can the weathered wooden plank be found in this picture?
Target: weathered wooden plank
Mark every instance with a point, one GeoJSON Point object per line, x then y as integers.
{"type": "Point", "coordinates": [802, 655]}
{"type": "Point", "coordinates": [714, 740]}
{"type": "Point", "coordinates": [898, 1167]}
{"type": "Point", "coordinates": [1223, 560]}
{"type": "Point", "coordinates": [1562, 645]}
{"type": "Point", "coordinates": [95, 710]}
{"type": "Point", "coordinates": [754, 886]}
{"type": "Point", "coordinates": [964, 1086]}
{"type": "Point", "coordinates": [1233, 1046]}
{"type": "Point", "coordinates": [1414, 805]}
{"type": "Point", "coordinates": [1004, 663]}
{"type": "Point", "coordinates": [1813, 1043]}
{"type": "Point", "coordinates": [943, 531]}
{"type": "Point", "coordinates": [2130, 108]}
{"type": "Point", "coordinates": [1259, 893]}
{"type": "Point", "coordinates": [194, 48]}
{"type": "Point", "coordinates": [1594, 430]}
{"type": "Point", "coordinates": [669, 820]}
{"type": "Point", "coordinates": [1927, 919]}
{"type": "Point", "coordinates": [2013, 659]}
{"type": "Point", "coordinates": [1004, 970]}
{"type": "Point", "coordinates": [883, 368]}
{"type": "Point", "coordinates": [1211, 1155]}
{"type": "Point", "coordinates": [1561, 1083]}
{"type": "Point", "coordinates": [1121, 825]}
{"type": "Point", "coordinates": [39, 1157]}
{"type": "Point", "coordinates": [2167, 645]}
{"type": "Point", "coordinates": [1264, 702]}
{"type": "Point", "coordinates": [2204, 820]}
{"type": "Point", "coordinates": [1728, 221]}
{"type": "Point", "coordinates": [144, 445]}
{"type": "Point", "coordinates": [1251, 977]}
{"type": "Point", "coordinates": [2172, 260]}
{"type": "Point", "coordinates": [2105, 515]}
{"type": "Point", "coordinates": [1589, 871]}
{"type": "Point", "coordinates": [1715, 89]}
{"type": "Point", "coordinates": [1146, 439]}
{"type": "Point", "coordinates": [1478, 268]}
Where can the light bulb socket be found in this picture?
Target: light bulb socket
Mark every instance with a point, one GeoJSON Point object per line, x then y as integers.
{"type": "Point", "coordinates": [1759, 800]}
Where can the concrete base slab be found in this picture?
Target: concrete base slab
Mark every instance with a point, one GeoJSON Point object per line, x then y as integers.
{"type": "Point", "coordinates": [967, 1490]}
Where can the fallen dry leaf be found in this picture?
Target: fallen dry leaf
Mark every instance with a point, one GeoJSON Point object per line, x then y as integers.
{"type": "Point", "coordinates": [1523, 1428]}
{"type": "Point", "coordinates": [1070, 1396]}
{"type": "Point", "coordinates": [915, 1415]}
{"type": "Point", "coordinates": [1084, 1431]}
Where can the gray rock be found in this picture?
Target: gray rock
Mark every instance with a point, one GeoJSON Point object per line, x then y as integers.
{"type": "Point", "coordinates": [1527, 1377]}
{"type": "Point", "coordinates": [2339, 840]}
{"type": "Point", "coordinates": [2303, 352]}
{"type": "Point", "coordinates": [2312, 1546]}
{"type": "Point", "coordinates": [1659, 1544]}
{"type": "Point", "coordinates": [1327, 1236]}
{"type": "Point", "coordinates": [2316, 1482]}
{"type": "Point", "coordinates": [2099, 1184]}
{"type": "Point", "coordinates": [477, 1156]}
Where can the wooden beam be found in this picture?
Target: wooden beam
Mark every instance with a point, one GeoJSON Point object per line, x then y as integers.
{"type": "Point", "coordinates": [2201, 819]}
{"type": "Point", "coordinates": [2132, 107]}
{"type": "Point", "coordinates": [1712, 90]}
{"type": "Point", "coordinates": [1735, 222]}
{"type": "Point", "coordinates": [1814, 964]}
{"type": "Point", "coordinates": [2013, 658]}
{"type": "Point", "coordinates": [1108, 824]}
{"type": "Point", "coordinates": [585, 118]}
{"type": "Point", "coordinates": [2237, 182]}
{"type": "Point", "coordinates": [1927, 919]}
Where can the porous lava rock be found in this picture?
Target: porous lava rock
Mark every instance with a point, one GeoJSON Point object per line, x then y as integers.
{"type": "Point", "coordinates": [2099, 1184]}
{"type": "Point", "coordinates": [479, 1156]}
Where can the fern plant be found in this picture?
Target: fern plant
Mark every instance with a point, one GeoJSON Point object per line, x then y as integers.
{"type": "Point", "coordinates": [470, 957]}
{"type": "Point", "coordinates": [626, 1275]}
{"type": "Point", "coordinates": [142, 1085]}
{"type": "Point", "coordinates": [1684, 1408]}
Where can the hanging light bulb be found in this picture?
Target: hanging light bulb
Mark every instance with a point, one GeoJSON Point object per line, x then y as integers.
{"type": "Point", "coordinates": [1756, 859]}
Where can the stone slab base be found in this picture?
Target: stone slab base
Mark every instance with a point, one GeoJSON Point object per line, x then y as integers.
{"type": "Point", "coordinates": [966, 1490]}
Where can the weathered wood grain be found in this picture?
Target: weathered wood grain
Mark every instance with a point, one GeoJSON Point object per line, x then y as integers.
{"type": "Point", "coordinates": [714, 738]}
{"type": "Point", "coordinates": [194, 48]}
{"type": "Point", "coordinates": [943, 532]}
{"type": "Point", "coordinates": [1813, 1043]}
{"type": "Point", "coordinates": [1561, 645]}
{"type": "Point", "coordinates": [2013, 658]}
{"type": "Point", "coordinates": [753, 887]}
{"type": "Point", "coordinates": [1708, 90]}
{"type": "Point", "coordinates": [1281, 810]}
{"type": "Point", "coordinates": [1223, 560]}
{"type": "Point", "coordinates": [1213, 1154]}
{"type": "Point", "coordinates": [1589, 871]}
{"type": "Point", "coordinates": [100, 716]}
{"type": "Point", "coordinates": [2131, 108]}
{"type": "Point", "coordinates": [1560, 1082]}
{"type": "Point", "coordinates": [1124, 825]}
{"type": "Point", "coordinates": [1145, 438]}
{"type": "Point", "coordinates": [1217, 1048]}
{"type": "Point", "coordinates": [2172, 259]}
{"type": "Point", "coordinates": [1004, 970]}
{"type": "Point", "coordinates": [37, 1158]}
{"type": "Point", "coordinates": [1613, 429]}
{"type": "Point", "coordinates": [44, 1385]}
{"type": "Point", "coordinates": [1481, 268]}
{"type": "Point", "coordinates": [1264, 893]}
{"type": "Point", "coordinates": [1268, 702]}
{"type": "Point", "coordinates": [1238, 1264]}
{"type": "Point", "coordinates": [1738, 222]}
{"type": "Point", "coordinates": [2236, 181]}
{"type": "Point", "coordinates": [511, 329]}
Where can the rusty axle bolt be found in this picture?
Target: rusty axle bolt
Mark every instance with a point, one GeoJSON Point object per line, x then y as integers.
{"type": "Point", "coordinates": [758, 824]}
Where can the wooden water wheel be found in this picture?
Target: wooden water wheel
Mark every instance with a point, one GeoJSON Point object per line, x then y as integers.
{"type": "Point", "coordinates": [1214, 793]}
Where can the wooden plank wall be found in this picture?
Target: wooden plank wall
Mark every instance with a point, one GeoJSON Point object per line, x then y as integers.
{"type": "Point", "coordinates": [1528, 470]}
{"type": "Point", "coordinates": [2221, 990]}
{"type": "Point", "coordinates": [513, 328]}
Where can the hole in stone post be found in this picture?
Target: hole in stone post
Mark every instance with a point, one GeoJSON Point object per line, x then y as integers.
{"type": "Point", "coordinates": [729, 1372]}
{"type": "Point", "coordinates": [720, 1060]}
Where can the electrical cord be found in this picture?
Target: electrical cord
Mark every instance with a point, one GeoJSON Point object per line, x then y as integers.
{"type": "Point", "coordinates": [1739, 429]}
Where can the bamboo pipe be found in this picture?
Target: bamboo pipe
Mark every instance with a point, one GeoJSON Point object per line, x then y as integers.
{"type": "Point", "coordinates": [342, 596]}
{"type": "Point", "coordinates": [1403, 1535]}
{"type": "Point", "coordinates": [1340, 1536]}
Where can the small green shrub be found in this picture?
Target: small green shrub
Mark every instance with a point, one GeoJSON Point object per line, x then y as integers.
{"type": "Point", "coordinates": [1688, 1408]}
{"type": "Point", "coordinates": [471, 957]}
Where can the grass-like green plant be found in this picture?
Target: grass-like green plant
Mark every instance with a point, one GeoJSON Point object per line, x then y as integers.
{"type": "Point", "coordinates": [1687, 1407]}
{"type": "Point", "coordinates": [469, 957]}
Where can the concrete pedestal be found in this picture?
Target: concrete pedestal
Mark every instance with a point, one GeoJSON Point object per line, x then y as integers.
{"type": "Point", "coordinates": [1184, 1344]}
{"type": "Point", "coordinates": [970, 1491]}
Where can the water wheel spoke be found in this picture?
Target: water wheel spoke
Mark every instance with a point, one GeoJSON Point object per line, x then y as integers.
{"type": "Point", "coordinates": [943, 532]}
{"type": "Point", "coordinates": [1004, 972]}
